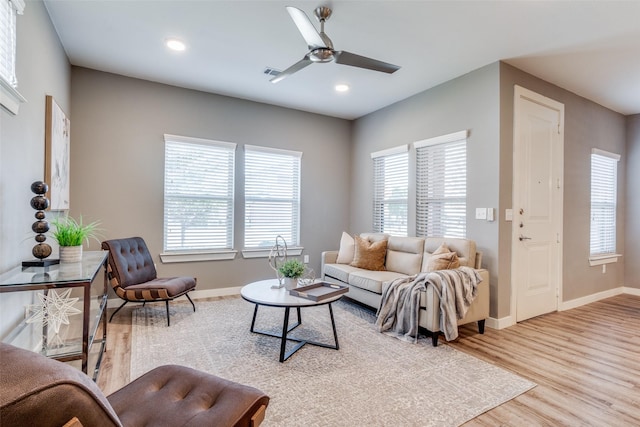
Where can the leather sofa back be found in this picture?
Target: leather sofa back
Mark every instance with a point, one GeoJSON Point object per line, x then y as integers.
{"type": "Point", "coordinates": [404, 254]}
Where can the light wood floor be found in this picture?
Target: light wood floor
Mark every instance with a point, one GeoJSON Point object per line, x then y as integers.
{"type": "Point", "coordinates": [586, 362]}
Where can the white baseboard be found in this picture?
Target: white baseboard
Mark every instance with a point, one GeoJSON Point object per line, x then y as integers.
{"type": "Point", "coordinates": [631, 291]}
{"type": "Point", "coordinates": [505, 322]}
{"type": "Point", "coordinates": [574, 303]}
{"type": "Point", "coordinates": [198, 294]}
{"type": "Point", "coordinates": [501, 323]}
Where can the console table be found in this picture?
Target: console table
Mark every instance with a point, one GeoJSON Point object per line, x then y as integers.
{"type": "Point", "coordinates": [86, 330]}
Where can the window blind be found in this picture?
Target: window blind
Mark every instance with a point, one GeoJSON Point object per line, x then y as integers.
{"type": "Point", "coordinates": [198, 194]}
{"type": "Point", "coordinates": [390, 194]}
{"type": "Point", "coordinates": [8, 11]}
{"type": "Point", "coordinates": [272, 196]}
{"type": "Point", "coordinates": [441, 186]}
{"type": "Point", "coordinates": [603, 202]}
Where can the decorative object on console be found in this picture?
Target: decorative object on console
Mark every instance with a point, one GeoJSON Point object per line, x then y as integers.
{"type": "Point", "coordinates": [54, 309]}
{"type": "Point", "coordinates": [42, 250]}
{"type": "Point", "coordinates": [71, 234]}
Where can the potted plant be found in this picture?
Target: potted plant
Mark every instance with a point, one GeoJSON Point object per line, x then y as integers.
{"type": "Point", "coordinates": [70, 235]}
{"type": "Point", "coordinates": [291, 270]}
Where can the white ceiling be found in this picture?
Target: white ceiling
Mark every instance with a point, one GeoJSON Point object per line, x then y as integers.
{"type": "Point", "coordinates": [591, 48]}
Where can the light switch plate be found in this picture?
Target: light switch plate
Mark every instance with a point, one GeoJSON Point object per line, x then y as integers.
{"type": "Point", "coordinates": [490, 214]}
{"type": "Point", "coordinates": [508, 215]}
{"type": "Point", "coordinates": [481, 213]}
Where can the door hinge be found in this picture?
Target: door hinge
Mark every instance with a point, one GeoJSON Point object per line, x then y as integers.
{"type": "Point", "coordinates": [558, 128]}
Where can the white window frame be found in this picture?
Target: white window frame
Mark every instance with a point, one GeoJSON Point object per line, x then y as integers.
{"type": "Point", "coordinates": [10, 98]}
{"type": "Point", "coordinates": [206, 177]}
{"type": "Point", "coordinates": [391, 173]}
{"type": "Point", "coordinates": [427, 195]}
{"type": "Point", "coordinates": [262, 173]}
{"type": "Point", "coordinates": [604, 187]}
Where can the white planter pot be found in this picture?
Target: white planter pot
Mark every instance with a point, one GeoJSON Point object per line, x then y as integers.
{"type": "Point", "coordinates": [69, 254]}
{"type": "Point", "coordinates": [290, 283]}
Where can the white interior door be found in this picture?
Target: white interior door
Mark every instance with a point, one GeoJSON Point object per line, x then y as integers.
{"type": "Point", "coordinates": [538, 145]}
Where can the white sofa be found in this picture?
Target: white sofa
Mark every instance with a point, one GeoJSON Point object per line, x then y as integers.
{"type": "Point", "coordinates": [407, 256]}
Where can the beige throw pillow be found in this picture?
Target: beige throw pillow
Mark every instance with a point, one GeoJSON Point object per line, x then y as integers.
{"type": "Point", "coordinates": [369, 256]}
{"type": "Point", "coordinates": [443, 259]}
{"type": "Point", "coordinates": [347, 248]}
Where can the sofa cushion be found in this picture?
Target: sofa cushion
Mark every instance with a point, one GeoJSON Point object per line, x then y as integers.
{"type": "Point", "coordinates": [339, 271]}
{"type": "Point", "coordinates": [347, 249]}
{"type": "Point", "coordinates": [369, 256]}
{"type": "Point", "coordinates": [372, 280]}
{"type": "Point", "coordinates": [466, 250]}
{"type": "Point", "coordinates": [404, 254]}
{"type": "Point", "coordinates": [443, 259]}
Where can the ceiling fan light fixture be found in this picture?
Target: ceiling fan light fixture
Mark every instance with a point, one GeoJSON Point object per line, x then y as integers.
{"type": "Point", "coordinates": [175, 44]}
{"type": "Point", "coordinates": [321, 55]}
{"type": "Point", "coordinates": [341, 87]}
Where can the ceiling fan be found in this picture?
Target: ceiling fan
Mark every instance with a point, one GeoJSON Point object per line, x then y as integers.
{"type": "Point", "coordinates": [321, 47]}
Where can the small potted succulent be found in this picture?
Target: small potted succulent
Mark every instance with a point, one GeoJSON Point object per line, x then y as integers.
{"type": "Point", "coordinates": [291, 270]}
{"type": "Point", "coordinates": [70, 235]}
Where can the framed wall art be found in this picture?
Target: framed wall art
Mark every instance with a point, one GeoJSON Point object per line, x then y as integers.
{"type": "Point", "coordinates": [57, 154]}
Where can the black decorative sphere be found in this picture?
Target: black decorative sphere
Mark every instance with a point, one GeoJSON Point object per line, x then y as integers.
{"type": "Point", "coordinates": [41, 250]}
{"type": "Point", "coordinates": [39, 203]}
{"type": "Point", "coordinates": [39, 187]}
{"type": "Point", "coordinates": [40, 238]}
{"type": "Point", "coordinates": [39, 215]}
{"type": "Point", "coordinates": [40, 227]}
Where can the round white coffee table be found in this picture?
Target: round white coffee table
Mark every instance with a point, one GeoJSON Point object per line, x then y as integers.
{"type": "Point", "coordinates": [262, 293]}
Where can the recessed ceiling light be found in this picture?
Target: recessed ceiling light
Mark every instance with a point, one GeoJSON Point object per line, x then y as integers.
{"type": "Point", "coordinates": [342, 88]}
{"type": "Point", "coordinates": [176, 45]}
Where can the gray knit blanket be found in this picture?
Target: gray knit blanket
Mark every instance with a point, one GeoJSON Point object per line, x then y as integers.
{"type": "Point", "coordinates": [400, 305]}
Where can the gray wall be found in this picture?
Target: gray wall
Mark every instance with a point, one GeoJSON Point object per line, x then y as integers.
{"type": "Point", "coordinates": [587, 125]}
{"type": "Point", "coordinates": [469, 102]}
{"type": "Point", "coordinates": [117, 163]}
{"type": "Point", "coordinates": [42, 69]}
{"type": "Point", "coordinates": [632, 224]}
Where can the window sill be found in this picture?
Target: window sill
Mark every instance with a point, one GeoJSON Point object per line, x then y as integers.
{"type": "Point", "coordinates": [603, 259]}
{"type": "Point", "coordinates": [264, 253]}
{"type": "Point", "coordinates": [10, 98]}
{"type": "Point", "coordinates": [168, 258]}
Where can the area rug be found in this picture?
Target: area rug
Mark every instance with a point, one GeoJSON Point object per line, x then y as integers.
{"type": "Point", "coordinates": [372, 380]}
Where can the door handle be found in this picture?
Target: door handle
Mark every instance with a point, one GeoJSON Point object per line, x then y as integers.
{"type": "Point", "coordinates": [524, 238]}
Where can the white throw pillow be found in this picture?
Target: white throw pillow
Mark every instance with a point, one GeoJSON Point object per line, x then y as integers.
{"type": "Point", "coordinates": [347, 249]}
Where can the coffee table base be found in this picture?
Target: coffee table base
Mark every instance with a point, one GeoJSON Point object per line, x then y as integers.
{"type": "Point", "coordinates": [284, 355]}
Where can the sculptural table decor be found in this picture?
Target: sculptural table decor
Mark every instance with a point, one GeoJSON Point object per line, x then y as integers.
{"type": "Point", "coordinates": [42, 250]}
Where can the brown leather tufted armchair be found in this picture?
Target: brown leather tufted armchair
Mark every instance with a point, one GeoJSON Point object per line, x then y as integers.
{"type": "Point", "coordinates": [133, 275]}
{"type": "Point", "coordinates": [38, 391]}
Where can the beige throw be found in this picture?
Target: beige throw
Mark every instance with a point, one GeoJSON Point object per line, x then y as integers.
{"type": "Point", "coordinates": [400, 305]}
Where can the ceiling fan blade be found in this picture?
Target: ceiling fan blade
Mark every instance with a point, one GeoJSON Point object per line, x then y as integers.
{"type": "Point", "coordinates": [306, 28]}
{"type": "Point", "coordinates": [348, 58]}
{"type": "Point", "coordinates": [294, 68]}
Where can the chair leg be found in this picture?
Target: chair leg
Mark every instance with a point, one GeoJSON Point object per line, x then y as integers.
{"type": "Point", "coordinates": [117, 310]}
{"type": "Point", "coordinates": [188, 297]}
{"type": "Point", "coordinates": [167, 304]}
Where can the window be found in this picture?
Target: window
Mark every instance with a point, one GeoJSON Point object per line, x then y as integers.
{"type": "Point", "coordinates": [9, 96]}
{"type": "Point", "coordinates": [272, 197]}
{"type": "Point", "coordinates": [198, 198]}
{"type": "Point", "coordinates": [603, 203]}
{"type": "Point", "coordinates": [441, 186]}
{"type": "Point", "coordinates": [390, 190]}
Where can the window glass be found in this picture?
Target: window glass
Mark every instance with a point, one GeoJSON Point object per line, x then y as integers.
{"type": "Point", "coordinates": [198, 194]}
{"type": "Point", "coordinates": [603, 202]}
{"type": "Point", "coordinates": [272, 196]}
{"type": "Point", "coordinates": [390, 195]}
{"type": "Point", "coordinates": [441, 186]}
